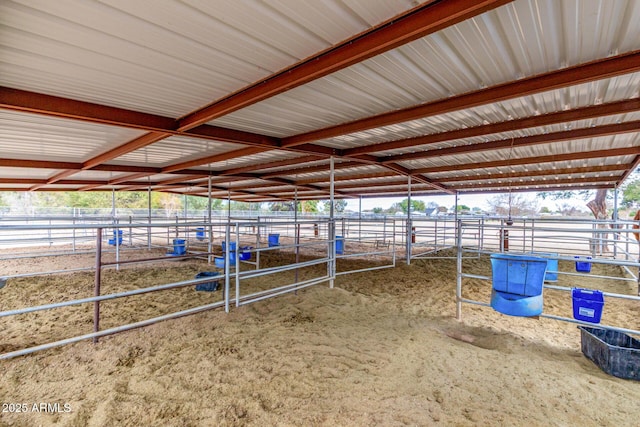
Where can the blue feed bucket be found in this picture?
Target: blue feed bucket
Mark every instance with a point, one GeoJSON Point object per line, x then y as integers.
{"type": "Point", "coordinates": [518, 274]}
{"type": "Point", "coordinates": [219, 261]}
{"type": "Point", "coordinates": [245, 253]}
{"type": "Point", "coordinates": [274, 240]}
{"type": "Point", "coordinates": [179, 247]}
{"type": "Point", "coordinates": [232, 245]}
{"type": "Point", "coordinates": [587, 304]}
{"type": "Point", "coordinates": [583, 264]}
{"type": "Point", "coordinates": [113, 241]}
{"type": "Point", "coordinates": [339, 245]}
{"type": "Point", "coordinates": [552, 265]}
{"type": "Point", "coordinates": [200, 233]}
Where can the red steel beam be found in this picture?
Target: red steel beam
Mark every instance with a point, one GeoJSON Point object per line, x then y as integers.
{"type": "Point", "coordinates": [618, 107]}
{"type": "Point", "coordinates": [247, 151]}
{"type": "Point", "coordinates": [380, 175]}
{"type": "Point", "coordinates": [39, 164]}
{"type": "Point", "coordinates": [583, 73]}
{"type": "Point", "coordinates": [31, 102]}
{"type": "Point", "coordinates": [310, 169]}
{"type": "Point", "coordinates": [418, 22]}
{"type": "Point", "coordinates": [524, 141]}
{"type": "Point", "coordinates": [538, 172]}
{"type": "Point", "coordinates": [540, 182]}
{"type": "Point", "coordinates": [271, 165]}
{"type": "Point", "coordinates": [584, 155]}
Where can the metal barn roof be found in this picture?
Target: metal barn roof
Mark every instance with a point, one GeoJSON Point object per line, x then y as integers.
{"type": "Point", "coordinates": [256, 97]}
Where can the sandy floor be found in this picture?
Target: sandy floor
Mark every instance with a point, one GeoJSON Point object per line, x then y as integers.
{"type": "Point", "coordinates": [382, 348]}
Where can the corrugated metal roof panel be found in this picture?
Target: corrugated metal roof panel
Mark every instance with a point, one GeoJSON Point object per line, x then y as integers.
{"type": "Point", "coordinates": [34, 137]}
{"type": "Point", "coordinates": [606, 90]}
{"type": "Point", "coordinates": [574, 146]}
{"type": "Point", "coordinates": [171, 57]}
{"type": "Point", "coordinates": [175, 149]}
{"type": "Point", "coordinates": [517, 40]}
{"type": "Point", "coordinates": [21, 173]}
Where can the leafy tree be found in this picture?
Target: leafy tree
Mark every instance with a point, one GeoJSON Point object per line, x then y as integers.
{"type": "Point", "coordinates": [240, 206]}
{"type": "Point", "coordinates": [89, 199]}
{"type": "Point", "coordinates": [416, 205]}
{"type": "Point", "coordinates": [281, 206]}
{"type": "Point", "coordinates": [377, 210]}
{"type": "Point", "coordinates": [171, 203]}
{"type": "Point", "coordinates": [308, 206]}
{"type": "Point", "coordinates": [338, 205]}
{"type": "Point", "coordinates": [598, 205]}
{"type": "Point", "coordinates": [631, 194]}
{"type": "Point", "coordinates": [464, 208]}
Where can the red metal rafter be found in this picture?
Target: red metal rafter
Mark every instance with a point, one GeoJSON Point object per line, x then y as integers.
{"type": "Point", "coordinates": [539, 182]}
{"type": "Point", "coordinates": [524, 141]}
{"type": "Point", "coordinates": [630, 168]}
{"type": "Point", "coordinates": [584, 155]}
{"type": "Point", "coordinates": [39, 164]}
{"type": "Point", "coordinates": [271, 165]}
{"type": "Point", "coordinates": [310, 169]}
{"type": "Point", "coordinates": [583, 73]}
{"type": "Point", "coordinates": [416, 23]}
{"type": "Point", "coordinates": [618, 107]}
{"type": "Point", "coordinates": [404, 171]}
{"type": "Point", "coordinates": [537, 172]}
{"type": "Point", "coordinates": [381, 175]}
{"type": "Point", "coordinates": [247, 151]}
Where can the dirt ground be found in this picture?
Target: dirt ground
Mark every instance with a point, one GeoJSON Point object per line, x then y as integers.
{"type": "Point", "coordinates": [381, 348]}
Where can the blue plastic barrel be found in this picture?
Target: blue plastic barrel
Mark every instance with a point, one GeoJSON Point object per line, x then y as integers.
{"type": "Point", "coordinates": [339, 245]}
{"type": "Point", "coordinates": [179, 247]}
{"type": "Point", "coordinates": [200, 233]}
{"type": "Point", "coordinates": [274, 240]}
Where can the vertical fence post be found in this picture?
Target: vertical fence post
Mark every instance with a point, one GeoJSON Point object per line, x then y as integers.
{"type": "Point", "coordinates": [227, 262]}
{"type": "Point", "coordinates": [73, 240]}
{"type": "Point", "coordinates": [459, 271]}
{"type": "Point", "coordinates": [96, 289]}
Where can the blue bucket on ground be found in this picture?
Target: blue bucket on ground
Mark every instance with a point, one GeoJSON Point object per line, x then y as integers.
{"type": "Point", "coordinates": [583, 266]}
{"type": "Point", "coordinates": [339, 245]}
{"type": "Point", "coordinates": [118, 233]}
{"type": "Point", "coordinates": [208, 286]}
{"type": "Point", "coordinates": [274, 240]}
{"type": "Point", "coordinates": [587, 304]}
{"type": "Point", "coordinates": [245, 253]}
{"type": "Point", "coordinates": [517, 284]}
{"type": "Point", "coordinates": [200, 233]}
{"type": "Point", "coordinates": [179, 247]}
